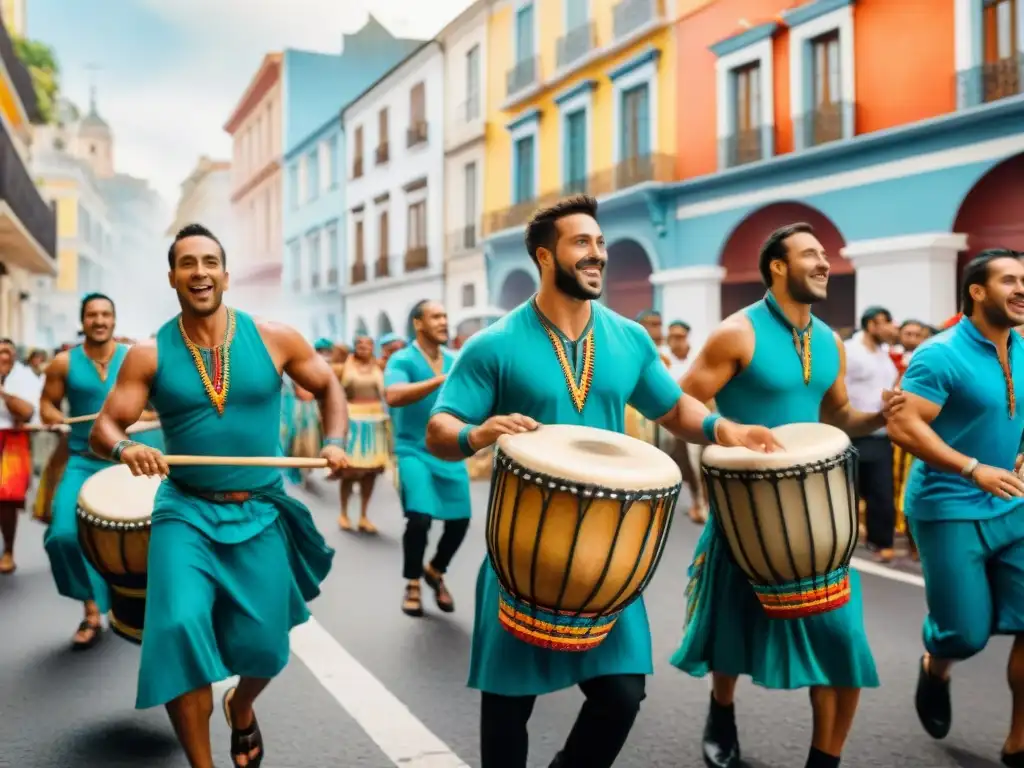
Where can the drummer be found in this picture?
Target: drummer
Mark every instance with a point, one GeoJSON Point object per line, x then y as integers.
{"type": "Point", "coordinates": [17, 406]}
{"type": "Point", "coordinates": [232, 558]}
{"type": "Point", "coordinates": [429, 489]}
{"type": "Point", "coordinates": [83, 376]}
{"type": "Point", "coordinates": [792, 367]}
{"type": "Point", "coordinates": [583, 364]}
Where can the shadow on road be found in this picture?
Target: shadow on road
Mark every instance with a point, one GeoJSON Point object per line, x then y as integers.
{"type": "Point", "coordinates": [967, 759]}
{"type": "Point", "coordinates": [125, 743]}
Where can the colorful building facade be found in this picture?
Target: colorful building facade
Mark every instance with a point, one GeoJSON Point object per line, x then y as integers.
{"type": "Point", "coordinates": [581, 98]}
{"type": "Point", "coordinates": [895, 129]}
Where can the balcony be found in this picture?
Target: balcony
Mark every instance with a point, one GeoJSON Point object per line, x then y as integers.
{"type": "Point", "coordinates": [382, 154]}
{"type": "Point", "coordinates": [990, 82]}
{"type": "Point", "coordinates": [743, 147]}
{"type": "Point", "coordinates": [629, 16]}
{"type": "Point", "coordinates": [521, 76]}
{"type": "Point", "coordinates": [19, 75]}
{"type": "Point", "coordinates": [575, 44]}
{"type": "Point", "coordinates": [416, 133]}
{"type": "Point", "coordinates": [28, 225]}
{"type": "Point", "coordinates": [357, 167]}
{"type": "Point", "coordinates": [359, 272]}
{"type": "Point", "coordinates": [465, 239]}
{"type": "Point", "coordinates": [822, 125]}
{"type": "Point", "coordinates": [382, 267]}
{"type": "Point", "coordinates": [469, 110]}
{"type": "Point", "coordinates": [416, 258]}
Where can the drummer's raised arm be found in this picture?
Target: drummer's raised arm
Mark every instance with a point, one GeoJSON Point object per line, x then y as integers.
{"type": "Point", "coordinates": [466, 400]}
{"type": "Point", "coordinates": [837, 410]}
{"type": "Point", "coordinates": [51, 401]}
{"type": "Point", "coordinates": [127, 398]}
{"type": "Point", "coordinates": [727, 351]}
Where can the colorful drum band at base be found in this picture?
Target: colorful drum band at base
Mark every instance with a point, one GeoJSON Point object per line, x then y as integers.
{"type": "Point", "coordinates": [549, 629]}
{"type": "Point", "coordinates": [576, 525]}
{"type": "Point", "coordinates": [49, 480]}
{"type": "Point", "coordinates": [15, 466]}
{"type": "Point", "coordinates": [789, 517]}
{"type": "Point", "coordinates": [369, 444]}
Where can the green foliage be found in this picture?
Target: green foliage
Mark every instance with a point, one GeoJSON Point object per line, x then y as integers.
{"type": "Point", "coordinates": [41, 62]}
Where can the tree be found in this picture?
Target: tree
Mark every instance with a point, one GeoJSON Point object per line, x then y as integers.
{"type": "Point", "coordinates": [41, 63]}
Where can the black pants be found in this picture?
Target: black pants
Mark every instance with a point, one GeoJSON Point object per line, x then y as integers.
{"type": "Point", "coordinates": [414, 543]}
{"type": "Point", "coordinates": [876, 489]}
{"type": "Point", "coordinates": [601, 728]}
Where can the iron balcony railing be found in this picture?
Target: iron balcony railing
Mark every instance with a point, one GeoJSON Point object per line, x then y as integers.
{"type": "Point", "coordinates": [744, 147]}
{"type": "Point", "coordinates": [630, 15]}
{"type": "Point", "coordinates": [522, 75]}
{"type": "Point", "coordinates": [824, 124]}
{"type": "Point", "coordinates": [575, 44]}
{"type": "Point", "coordinates": [990, 82]}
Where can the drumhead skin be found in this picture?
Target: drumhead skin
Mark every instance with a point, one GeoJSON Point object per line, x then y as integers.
{"type": "Point", "coordinates": [591, 456]}
{"type": "Point", "coordinates": [802, 444]}
{"type": "Point", "coordinates": [116, 495]}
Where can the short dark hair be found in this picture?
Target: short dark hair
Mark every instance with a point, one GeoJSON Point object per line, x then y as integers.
{"type": "Point", "coordinates": [195, 230]}
{"type": "Point", "coordinates": [542, 229]}
{"type": "Point", "coordinates": [918, 323]}
{"type": "Point", "coordinates": [91, 297]}
{"type": "Point", "coordinates": [679, 324]}
{"type": "Point", "coordinates": [418, 307]}
{"type": "Point", "coordinates": [977, 272]}
{"type": "Point", "coordinates": [774, 248]}
{"type": "Point", "coordinates": [871, 313]}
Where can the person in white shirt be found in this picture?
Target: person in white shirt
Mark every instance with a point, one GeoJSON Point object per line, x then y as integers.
{"type": "Point", "coordinates": [870, 370]}
{"type": "Point", "coordinates": [17, 407]}
{"type": "Point", "coordinates": [686, 455]}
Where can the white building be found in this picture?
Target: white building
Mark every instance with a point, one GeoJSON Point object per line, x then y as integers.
{"type": "Point", "coordinates": [206, 199]}
{"type": "Point", "coordinates": [395, 195]}
{"type": "Point", "coordinates": [465, 45]}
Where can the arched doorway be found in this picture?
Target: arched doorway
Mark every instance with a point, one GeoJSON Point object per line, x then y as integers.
{"type": "Point", "coordinates": [627, 279]}
{"type": "Point", "coordinates": [361, 328]}
{"type": "Point", "coordinates": [742, 284]}
{"type": "Point", "coordinates": [990, 214]}
{"type": "Point", "coordinates": [519, 285]}
{"type": "Point", "coordinates": [383, 324]}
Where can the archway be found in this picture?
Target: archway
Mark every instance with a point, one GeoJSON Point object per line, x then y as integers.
{"type": "Point", "coordinates": [361, 328]}
{"type": "Point", "coordinates": [990, 214]}
{"type": "Point", "coordinates": [742, 284]}
{"type": "Point", "coordinates": [519, 285]}
{"type": "Point", "coordinates": [627, 279]}
{"type": "Point", "coordinates": [383, 324]}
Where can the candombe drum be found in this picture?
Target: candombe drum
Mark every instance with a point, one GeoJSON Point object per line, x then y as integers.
{"type": "Point", "coordinates": [50, 479]}
{"type": "Point", "coordinates": [114, 518]}
{"type": "Point", "coordinates": [576, 525]}
{"type": "Point", "coordinates": [789, 517]}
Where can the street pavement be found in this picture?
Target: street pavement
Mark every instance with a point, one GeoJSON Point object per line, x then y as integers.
{"type": "Point", "coordinates": [369, 686]}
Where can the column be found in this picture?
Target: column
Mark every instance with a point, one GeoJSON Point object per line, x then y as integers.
{"type": "Point", "coordinates": [693, 295]}
{"type": "Point", "coordinates": [913, 276]}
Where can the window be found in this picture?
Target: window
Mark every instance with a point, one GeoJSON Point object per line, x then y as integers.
{"type": "Point", "coordinates": [313, 246]}
{"type": "Point", "coordinates": [746, 135]}
{"type": "Point", "coordinates": [332, 161]}
{"type": "Point", "coordinates": [576, 151]}
{"type": "Point", "coordinates": [417, 225]}
{"type": "Point", "coordinates": [1001, 70]}
{"type": "Point", "coordinates": [418, 103]}
{"type": "Point", "coordinates": [524, 163]}
{"type": "Point", "coordinates": [303, 186]}
{"type": "Point", "coordinates": [295, 264]}
{"type": "Point", "coordinates": [825, 68]}
{"type": "Point", "coordinates": [333, 254]}
{"type": "Point", "coordinates": [383, 236]}
{"type": "Point", "coordinates": [468, 295]}
{"type": "Point", "coordinates": [382, 153]}
{"type": "Point", "coordinates": [357, 151]}
{"type": "Point", "coordinates": [470, 192]}
{"type": "Point", "coordinates": [473, 83]}
{"type": "Point", "coordinates": [524, 33]}
{"type": "Point", "coordinates": [636, 130]}
{"type": "Point", "coordinates": [576, 12]}
{"type": "Point", "coordinates": [293, 185]}
{"type": "Point", "coordinates": [313, 172]}
{"type": "Point", "coordinates": [326, 155]}
{"type": "Point", "coordinates": [360, 242]}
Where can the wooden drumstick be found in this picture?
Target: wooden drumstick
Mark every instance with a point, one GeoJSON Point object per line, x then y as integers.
{"type": "Point", "coordinates": [284, 462]}
{"type": "Point", "coordinates": [81, 419]}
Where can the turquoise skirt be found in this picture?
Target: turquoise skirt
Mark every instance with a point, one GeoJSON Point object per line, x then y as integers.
{"type": "Point", "coordinates": [727, 631]}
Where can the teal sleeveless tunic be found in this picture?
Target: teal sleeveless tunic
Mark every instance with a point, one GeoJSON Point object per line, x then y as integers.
{"type": "Point", "coordinates": [85, 392]}
{"type": "Point", "coordinates": [228, 577]}
{"type": "Point", "coordinates": [512, 367]}
{"type": "Point", "coordinates": [726, 629]}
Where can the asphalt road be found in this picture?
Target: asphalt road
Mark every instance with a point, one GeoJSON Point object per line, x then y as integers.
{"type": "Point", "coordinates": [65, 710]}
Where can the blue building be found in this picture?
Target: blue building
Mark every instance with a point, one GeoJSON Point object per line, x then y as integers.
{"type": "Point", "coordinates": [316, 88]}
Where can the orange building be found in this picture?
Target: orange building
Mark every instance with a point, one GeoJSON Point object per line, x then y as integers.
{"type": "Point", "coordinates": [895, 128]}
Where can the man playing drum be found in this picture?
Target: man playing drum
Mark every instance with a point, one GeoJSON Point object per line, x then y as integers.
{"type": "Point", "coordinates": [430, 489]}
{"type": "Point", "coordinates": [232, 558]}
{"type": "Point", "coordinates": [774, 363]}
{"type": "Point", "coordinates": [83, 375]}
{"type": "Point", "coordinates": [962, 419]}
{"type": "Point", "coordinates": [561, 358]}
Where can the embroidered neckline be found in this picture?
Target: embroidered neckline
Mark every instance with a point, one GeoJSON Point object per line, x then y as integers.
{"type": "Point", "coordinates": [438, 369]}
{"type": "Point", "coordinates": [577, 391]}
{"type": "Point", "coordinates": [801, 339]}
{"type": "Point", "coordinates": [1006, 367]}
{"type": "Point", "coordinates": [217, 386]}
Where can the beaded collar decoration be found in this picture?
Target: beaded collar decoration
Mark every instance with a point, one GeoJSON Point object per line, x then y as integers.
{"type": "Point", "coordinates": [1011, 396]}
{"type": "Point", "coordinates": [213, 365]}
{"type": "Point", "coordinates": [801, 339]}
{"type": "Point", "coordinates": [578, 392]}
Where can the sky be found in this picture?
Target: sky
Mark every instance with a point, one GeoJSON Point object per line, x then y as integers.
{"type": "Point", "coordinates": [169, 72]}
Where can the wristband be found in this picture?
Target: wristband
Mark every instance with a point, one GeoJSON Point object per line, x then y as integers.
{"type": "Point", "coordinates": [119, 448]}
{"type": "Point", "coordinates": [464, 445]}
{"type": "Point", "coordinates": [337, 442]}
{"type": "Point", "coordinates": [969, 469]}
{"type": "Point", "coordinates": [709, 426]}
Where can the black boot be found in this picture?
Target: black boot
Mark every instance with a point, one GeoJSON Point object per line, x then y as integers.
{"type": "Point", "coordinates": [1013, 759]}
{"type": "Point", "coordinates": [721, 743]}
{"type": "Point", "coordinates": [818, 759]}
{"type": "Point", "coordinates": [933, 704]}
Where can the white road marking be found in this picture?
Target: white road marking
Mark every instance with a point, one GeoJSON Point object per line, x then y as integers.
{"type": "Point", "coordinates": [877, 569]}
{"type": "Point", "coordinates": [387, 721]}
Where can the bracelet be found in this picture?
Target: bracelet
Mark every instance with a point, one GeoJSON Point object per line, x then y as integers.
{"type": "Point", "coordinates": [969, 468]}
{"type": "Point", "coordinates": [708, 425]}
{"type": "Point", "coordinates": [337, 442]}
{"type": "Point", "coordinates": [119, 448]}
{"type": "Point", "coordinates": [464, 444]}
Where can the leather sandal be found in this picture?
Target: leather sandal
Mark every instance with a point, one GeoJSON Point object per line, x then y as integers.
{"type": "Point", "coordinates": [87, 626]}
{"type": "Point", "coordinates": [442, 596]}
{"type": "Point", "coordinates": [244, 741]}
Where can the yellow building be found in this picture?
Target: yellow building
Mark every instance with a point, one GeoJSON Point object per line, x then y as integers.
{"type": "Point", "coordinates": [582, 99]}
{"type": "Point", "coordinates": [13, 14]}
